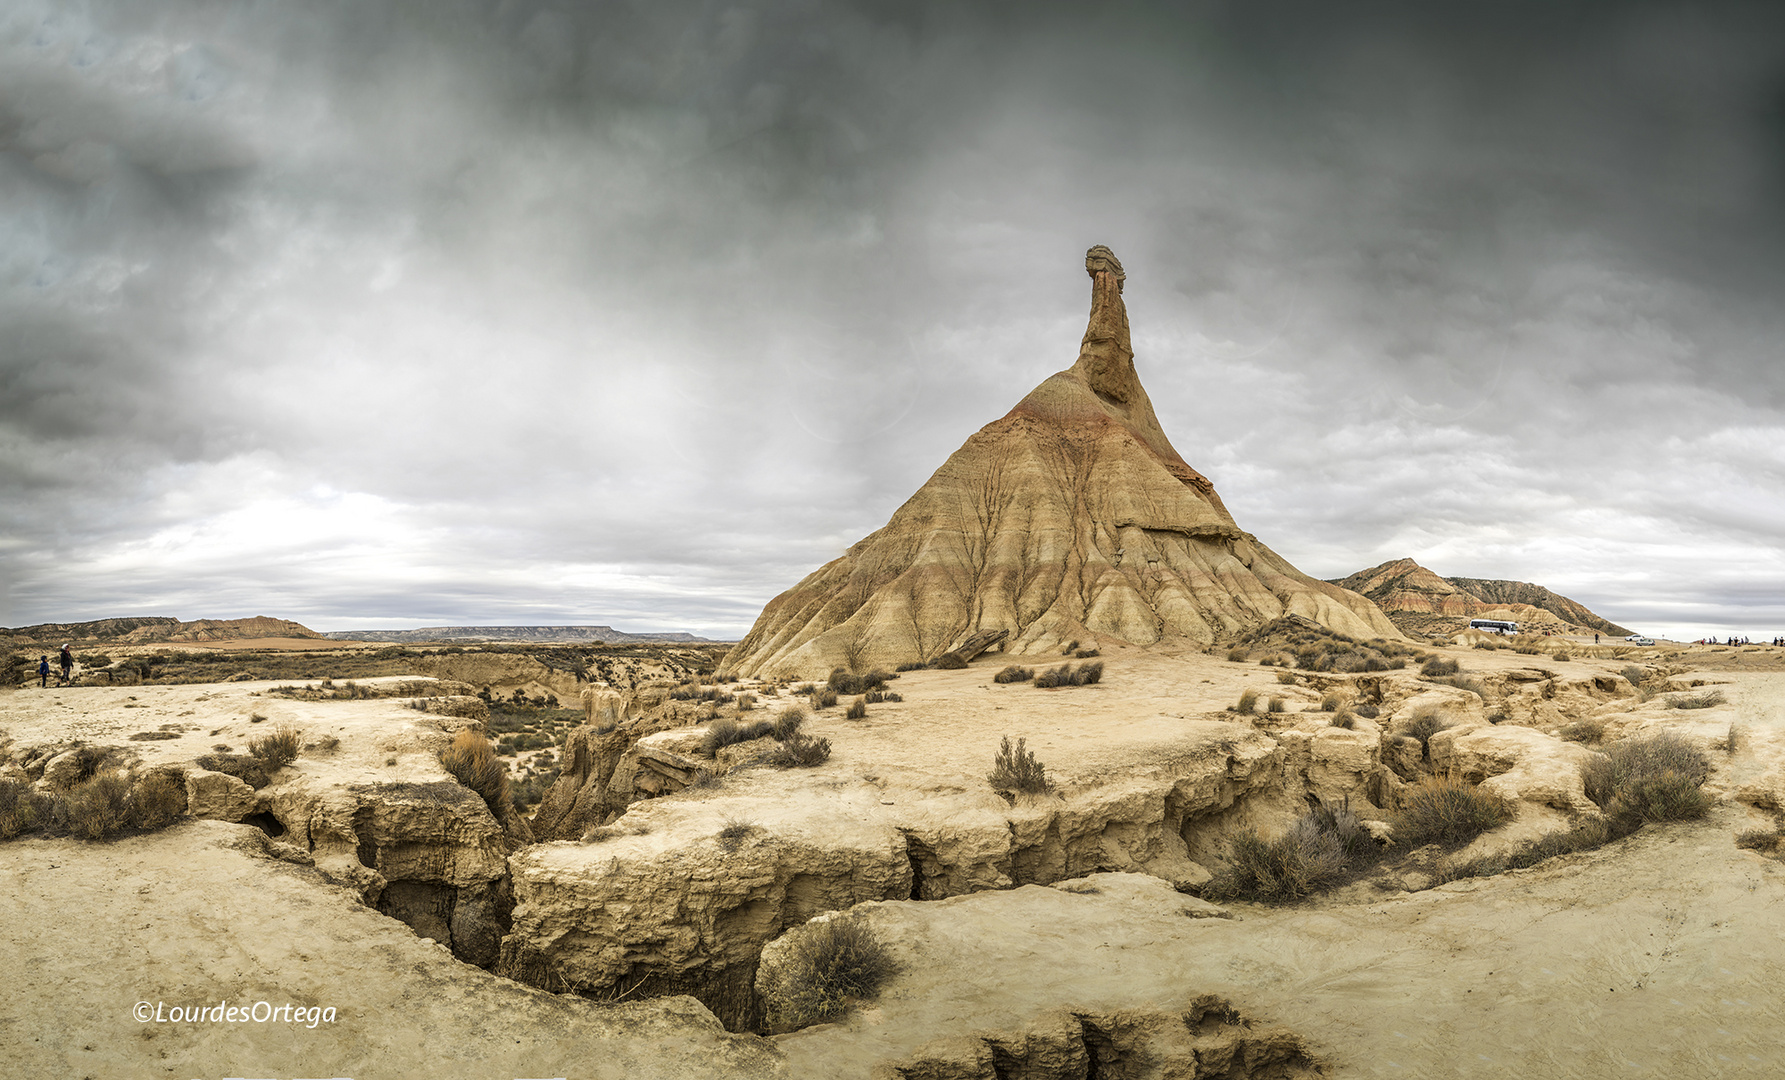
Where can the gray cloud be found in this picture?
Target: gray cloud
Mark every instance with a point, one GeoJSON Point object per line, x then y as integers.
{"type": "Point", "coordinates": [625, 312]}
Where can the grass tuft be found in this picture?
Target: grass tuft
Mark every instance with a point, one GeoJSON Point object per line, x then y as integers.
{"type": "Point", "coordinates": [800, 751]}
{"type": "Point", "coordinates": [277, 748]}
{"type": "Point", "coordinates": [1704, 699]}
{"type": "Point", "coordinates": [858, 709]}
{"type": "Point", "coordinates": [1248, 702]}
{"type": "Point", "coordinates": [1013, 674]}
{"type": "Point", "coordinates": [733, 834]}
{"type": "Point", "coordinates": [472, 761]}
{"type": "Point", "coordinates": [1439, 666]}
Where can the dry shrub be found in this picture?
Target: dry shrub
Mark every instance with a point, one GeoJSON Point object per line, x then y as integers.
{"type": "Point", "coordinates": [1426, 721]}
{"type": "Point", "coordinates": [1248, 702]}
{"type": "Point", "coordinates": [1635, 674]}
{"type": "Point", "coordinates": [247, 768]}
{"type": "Point", "coordinates": [727, 732]}
{"type": "Point", "coordinates": [1762, 840]}
{"type": "Point", "coordinates": [1331, 700]}
{"type": "Point", "coordinates": [1086, 654]}
{"type": "Point", "coordinates": [1287, 678]}
{"type": "Point", "coordinates": [746, 702]}
{"type": "Point", "coordinates": [1013, 673]}
{"type": "Point", "coordinates": [1561, 657]}
{"type": "Point", "coordinates": [1704, 699]}
{"type": "Point", "coordinates": [1344, 719]}
{"type": "Point", "coordinates": [799, 750]}
{"type": "Point", "coordinates": [1015, 769]}
{"type": "Point", "coordinates": [1442, 810]}
{"type": "Point", "coordinates": [734, 832]}
{"type": "Point", "coordinates": [948, 662]}
{"type": "Point", "coordinates": [98, 807]}
{"type": "Point", "coordinates": [788, 723]}
{"type": "Point", "coordinates": [157, 800]}
{"type": "Point", "coordinates": [843, 682]}
{"type": "Point", "coordinates": [1587, 836]}
{"type": "Point", "coordinates": [1656, 778]}
{"type": "Point", "coordinates": [472, 761]}
{"type": "Point", "coordinates": [858, 709]}
{"type": "Point", "coordinates": [891, 695]}
{"type": "Point", "coordinates": [277, 748]}
{"type": "Point", "coordinates": [1438, 666]}
{"type": "Point", "coordinates": [1367, 711]}
{"type": "Point", "coordinates": [21, 809]}
{"type": "Point", "coordinates": [1589, 730]}
{"type": "Point", "coordinates": [829, 964]}
{"type": "Point", "coordinates": [1313, 855]}
{"type": "Point", "coordinates": [874, 697]}
{"type": "Point", "coordinates": [1464, 682]}
{"type": "Point", "coordinates": [1275, 704]}
{"type": "Point", "coordinates": [910, 665]}
{"type": "Point", "coordinates": [1238, 654]}
{"type": "Point", "coordinates": [824, 698]}
{"type": "Point", "coordinates": [1088, 674]}
{"type": "Point", "coordinates": [1060, 676]}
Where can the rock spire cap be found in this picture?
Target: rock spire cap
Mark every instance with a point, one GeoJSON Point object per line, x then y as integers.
{"type": "Point", "coordinates": [1102, 258]}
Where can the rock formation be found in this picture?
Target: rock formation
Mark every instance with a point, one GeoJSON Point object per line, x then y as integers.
{"type": "Point", "coordinates": [1070, 517]}
{"type": "Point", "coordinates": [1409, 593]}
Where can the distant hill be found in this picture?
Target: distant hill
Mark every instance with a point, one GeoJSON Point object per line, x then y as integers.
{"type": "Point", "coordinates": [565, 634]}
{"type": "Point", "coordinates": [147, 630]}
{"type": "Point", "coordinates": [1418, 599]}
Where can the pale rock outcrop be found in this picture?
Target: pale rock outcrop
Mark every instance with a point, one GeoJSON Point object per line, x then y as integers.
{"type": "Point", "coordinates": [217, 796]}
{"type": "Point", "coordinates": [1071, 517]}
{"type": "Point", "coordinates": [1516, 763]}
{"type": "Point", "coordinates": [655, 901]}
{"type": "Point", "coordinates": [430, 854]}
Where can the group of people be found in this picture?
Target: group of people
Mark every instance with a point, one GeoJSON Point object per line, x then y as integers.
{"type": "Point", "coordinates": [66, 659]}
{"type": "Point", "coordinates": [1734, 640]}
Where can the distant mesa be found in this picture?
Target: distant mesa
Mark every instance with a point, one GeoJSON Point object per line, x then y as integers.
{"type": "Point", "coordinates": [1069, 518]}
{"type": "Point", "coordinates": [532, 634]}
{"type": "Point", "coordinates": [1418, 600]}
{"type": "Point", "coordinates": [148, 630]}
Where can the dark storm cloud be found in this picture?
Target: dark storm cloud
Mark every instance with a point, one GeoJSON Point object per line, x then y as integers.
{"type": "Point", "coordinates": [438, 310]}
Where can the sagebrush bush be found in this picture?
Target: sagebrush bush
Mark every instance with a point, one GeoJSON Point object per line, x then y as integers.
{"type": "Point", "coordinates": [157, 800]}
{"type": "Point", "coordinates": [1015, 769]}
{"type": "Point", "coordinates": [472, 761]}
{"type": "Point", "coordinates": [858, 709]}
{"type": "Point", "coordinates": [1275, 704]}
{"type": "Point", "coordinates": [1330, 701]}
{"type": "Point", "coordinates": [823, 698]}
{"type": "Point", "coordinates": [828, 964]}
{"type": "Point", "coordinates": [1060, 676]}
{"type": "Point", "coordinates": [1442, 810]}
{"type": "Point", "coordinates": [874, 697]}
{"type": "Point", "coordinates": [1088, 674]}
{"type": "Point", "coordinates": [278, 748]}
{"type": "Point", "coordinates": [1656, 777]}
{"type": "Point", "coordinates": [1086, 654]}
{"type": "Point", "coordinates": [746, 702]}
{"type": "Point", "coordinates": [1014, 674]}
{"type": "Point", "coordinates": [1439, 665]}
{"type": "Point", "coordinates": [948, 662]}
{"type": "Point", "coordinates": [910, 665]}
{"type": "Point", "coordinates": [801, 751]}
{"type": "Point", "coordinates": [20, 808]}
{"type": "Point", "coordinates": [1344, 719]}
{"type": "Point", "coordinates": [1238, 654]}
{"type": "Point", "coordinates": [787, 722]}
{"type": "Point", "coordinates": [1426, 721]}
{"type": "Point", "coordinates": [98, 807]}
{"type": "Point", "coordinates": [1314, 854]}
{"type": "Point", "coordinates": [1287, 678]}
{"type": "Point", "coordinates": [1248, 702]}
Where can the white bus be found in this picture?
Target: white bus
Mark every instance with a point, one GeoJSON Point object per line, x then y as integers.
{"type": "Point", "coordinates": [1498, 626]}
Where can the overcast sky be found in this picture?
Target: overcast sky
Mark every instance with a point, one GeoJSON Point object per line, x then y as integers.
{"type": "Point", "coordinates": [392, 314]}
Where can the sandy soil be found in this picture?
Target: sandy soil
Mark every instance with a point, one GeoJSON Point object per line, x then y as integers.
{"type": "Point", "coordinates": [1657, 956]}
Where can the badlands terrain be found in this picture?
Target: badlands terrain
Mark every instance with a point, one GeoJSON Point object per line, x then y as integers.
{"type": "Point", "coordinates": [1052, 935]}
{"type": "Point", "coordinates": [1059, 774]}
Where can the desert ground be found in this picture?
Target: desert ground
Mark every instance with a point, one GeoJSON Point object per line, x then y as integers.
{"type": "Point", "coordinates": [1052, 934]}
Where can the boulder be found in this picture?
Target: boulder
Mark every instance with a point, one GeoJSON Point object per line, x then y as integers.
{"type": "Point", "coordinates": [217, 796]}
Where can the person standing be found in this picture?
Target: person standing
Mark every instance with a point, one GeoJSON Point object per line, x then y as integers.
{"type": "Point", "coordinates": [67, 659]}
{"type": "Point", "coordinates": [43, 671]}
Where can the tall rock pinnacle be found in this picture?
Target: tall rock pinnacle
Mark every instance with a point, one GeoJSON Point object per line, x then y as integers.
{"type": "Point", "coordinates": [1071, 518]}
{"type": "Point", "coordinates": [1106, 356]}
